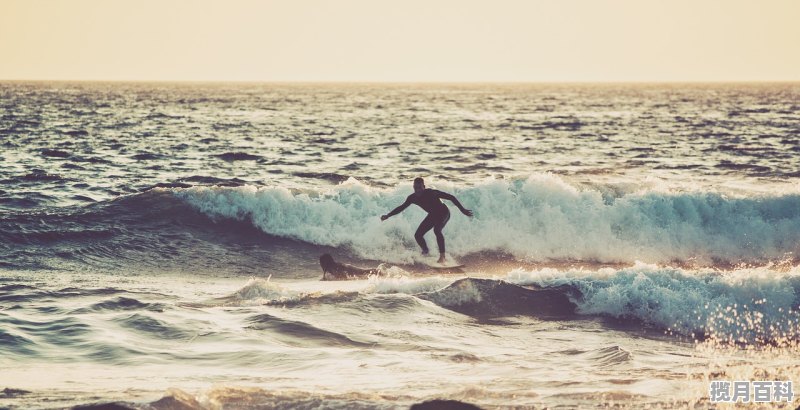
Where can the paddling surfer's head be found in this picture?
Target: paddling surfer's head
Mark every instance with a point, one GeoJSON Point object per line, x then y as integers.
{"type": "Point", "coordinates": [419, 185]}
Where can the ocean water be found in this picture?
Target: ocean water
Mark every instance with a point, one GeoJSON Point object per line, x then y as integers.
{"type": "Point", "coordinates": [630, 243]}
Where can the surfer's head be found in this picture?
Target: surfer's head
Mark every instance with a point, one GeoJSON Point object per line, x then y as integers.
{"type": "Point", "coordinates": [419, 184]}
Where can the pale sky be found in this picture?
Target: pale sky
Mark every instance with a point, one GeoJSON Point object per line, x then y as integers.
{"type": "Point", "coordinates": [401, 40]}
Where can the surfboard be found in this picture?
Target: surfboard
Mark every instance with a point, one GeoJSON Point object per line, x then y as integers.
{"type": "Point", "coordinates": [445, 267]}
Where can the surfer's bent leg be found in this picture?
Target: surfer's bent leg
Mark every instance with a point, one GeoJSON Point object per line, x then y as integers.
{"type": "Point", "coordinates": [424, 227]}
{"type": "Point", "coordinates": [437, 230]}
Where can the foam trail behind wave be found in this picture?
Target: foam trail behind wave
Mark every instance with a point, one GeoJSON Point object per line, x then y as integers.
{"type": "Point", "coordinates": [539, 218]}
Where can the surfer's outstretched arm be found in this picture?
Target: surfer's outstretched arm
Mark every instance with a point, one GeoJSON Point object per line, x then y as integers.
{"type": "Point", "coordinates": [397, 210]}
{"type": "Point", "coordinates": [453, 199]}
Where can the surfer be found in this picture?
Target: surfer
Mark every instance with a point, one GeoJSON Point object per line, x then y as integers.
{"type": "Point", "coordinates": [332, 270]}
{"type": "Point", "coordinates": [438, 214]}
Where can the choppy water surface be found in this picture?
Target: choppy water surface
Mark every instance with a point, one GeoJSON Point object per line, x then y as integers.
{"type": "Point", "coordinates": [94, 140]}
{"type": "Point", "coordinates": [630, 243]}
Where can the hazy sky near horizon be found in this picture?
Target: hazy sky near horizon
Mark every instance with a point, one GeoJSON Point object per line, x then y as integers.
{"type": "Point", "coordinates": [409, 40]}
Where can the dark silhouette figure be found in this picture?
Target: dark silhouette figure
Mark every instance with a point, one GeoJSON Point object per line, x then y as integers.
{"type": "Point", "coordinates": [438, 214]}
{"type": "Point", "coordinates": [332, 270]}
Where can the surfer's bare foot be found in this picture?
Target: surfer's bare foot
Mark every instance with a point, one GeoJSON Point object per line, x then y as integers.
{"type": "Point", "coordinates": [441, 259]}
{"type": "Point", "coordinates": [425, 253]}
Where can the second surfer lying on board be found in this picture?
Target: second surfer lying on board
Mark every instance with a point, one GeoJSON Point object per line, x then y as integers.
{"type": "Point", "coordinates": [438, 214]}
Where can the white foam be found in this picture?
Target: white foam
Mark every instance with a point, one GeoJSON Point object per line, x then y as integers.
{"type": "Point", "coordinates": [259, 291]}
{"type": "Point", "coordinates": [743, 305]}
{"type": "Point", "coordinates": [407, 285]}
{"type": "Point", "coordinates": [539, 218]}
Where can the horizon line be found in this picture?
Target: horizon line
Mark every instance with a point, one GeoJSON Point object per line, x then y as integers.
{"type": "Point", "coordinates": [404, 82]}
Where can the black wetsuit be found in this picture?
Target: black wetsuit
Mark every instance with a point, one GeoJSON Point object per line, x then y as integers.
{"type": "Point", "coordinates": [438, 215]}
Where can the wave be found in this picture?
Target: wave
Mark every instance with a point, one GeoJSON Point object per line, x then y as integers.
{"type": "Point", "coordinates": [536, 219]}
{"type": "Point", "coordinates": [238, 156]}
{"type": "Point", "coordinates": [746, 306]}
{"type": "Point", "coordinates": [150, 230]}
{"type": "Point", "coordinates": [740, 306]}
{"type": "Point", "coordinates": [487, 297]}
{"type": "Point", "coordinates": [238, 227]}
{"type": "Point", "coordinates": [259, 291]}
{"type": "Point", "coordinates": [122, 303]}
{"type": "Point", "coordinates": [238, 397]}
{"type": "Point", "coordinates": [604, 357]}
{"type": "Point", "coordinates": [142, 324]}
{"type": "Point", "coordinates": [298, 333]}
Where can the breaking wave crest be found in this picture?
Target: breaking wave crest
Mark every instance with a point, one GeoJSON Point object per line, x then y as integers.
{"type": "Point", "coordinates": [740, 306]}
{"type": "Point", "coordinates": [539, 218]}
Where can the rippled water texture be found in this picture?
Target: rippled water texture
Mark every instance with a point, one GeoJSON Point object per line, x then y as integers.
{"type": "Point", "coordinates": [159, 244]}
{"type": "Point", "coordinates": [66, 143]}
